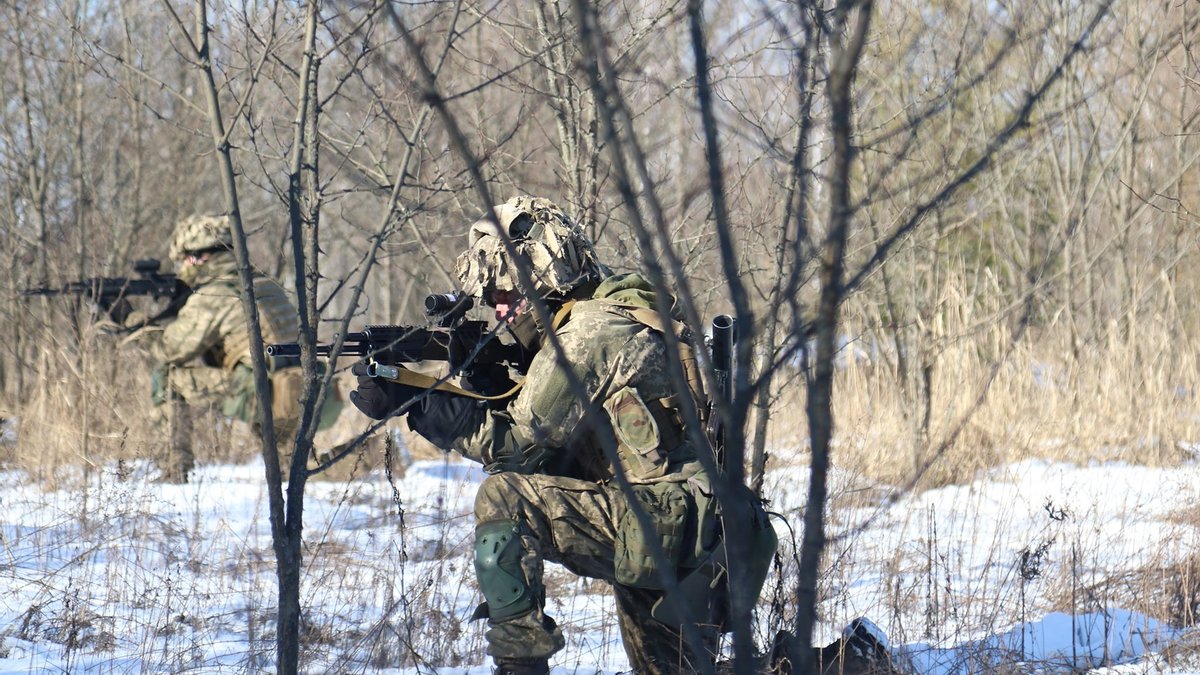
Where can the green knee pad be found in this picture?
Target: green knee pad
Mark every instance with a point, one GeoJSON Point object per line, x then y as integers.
{"type": "Point", "coordinates": [498, 551]}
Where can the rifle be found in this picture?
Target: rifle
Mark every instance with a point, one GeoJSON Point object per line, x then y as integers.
{"type": "Point", "coordinates": [724, 337]}
{"type": "Point", "coordinates": [468, 346]}
{"type": "Point", "coordinates": [112, 293]}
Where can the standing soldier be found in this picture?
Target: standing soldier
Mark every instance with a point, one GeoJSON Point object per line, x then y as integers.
{"type": "Point", "coordinates": [204, 351]}
{"type": "Point", "coordinates": [552, 493]}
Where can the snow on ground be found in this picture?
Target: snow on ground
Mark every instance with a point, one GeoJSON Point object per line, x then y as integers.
{"type": "Point", "coordinates": [128, 575]}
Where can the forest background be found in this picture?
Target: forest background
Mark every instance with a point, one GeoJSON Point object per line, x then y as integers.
{"type": "Point", "coordinates": [955, 234]}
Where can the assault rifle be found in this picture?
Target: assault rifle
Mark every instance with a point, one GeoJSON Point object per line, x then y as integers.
{"type": "Point", "coordinates": [724, 337]}
{"type": "Point", "coordinates": [468, 346]}
{"type": "Point", "coordinates": [112, 294]}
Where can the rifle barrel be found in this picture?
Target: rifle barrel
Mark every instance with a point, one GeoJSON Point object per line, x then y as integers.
{"type": "Point", "coordinates": [351, 347]}
{"type": "Point", "coordinates": [284, 349]}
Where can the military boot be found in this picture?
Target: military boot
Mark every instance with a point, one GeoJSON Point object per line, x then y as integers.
{"type": "Point", "coordinates": [867, 640]}
{"type": "Point", "coordinates": [521, 667]}
{"type": "Point", "coordinates": [179, 460]}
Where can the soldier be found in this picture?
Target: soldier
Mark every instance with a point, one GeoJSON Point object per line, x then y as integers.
{"type": "Point", "coordinates": [551, 493]}
{"type": "Point", "coordinates": [204, 352]}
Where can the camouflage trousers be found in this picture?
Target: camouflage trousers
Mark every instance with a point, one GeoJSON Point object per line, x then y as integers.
{"type": "Point", "coordinates": [193, 388]}
{"type": "Point", "coordinates": [574, 523]}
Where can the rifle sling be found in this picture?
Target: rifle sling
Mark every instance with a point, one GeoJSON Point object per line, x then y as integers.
{"type": "Point", "coordinates": [423, 381]}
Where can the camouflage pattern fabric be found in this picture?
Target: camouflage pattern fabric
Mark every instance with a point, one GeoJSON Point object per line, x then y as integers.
{"type": "Point", "coordinates": [200, 233]}
{"type": "Point", "coordinates": [558, 253]}
{"type": "Point", "coordinates": [575, 523]}
{"type": "Point", "coordinates": [210, 326]}
{"type": "Point", "coordinates": [207, 349]}
{"type": "Point", "coordinates": [575, 514]}
{"type": "Point", "coordinates": [613, 356]}
{"type": "Point", "coordinates": [176, 417]}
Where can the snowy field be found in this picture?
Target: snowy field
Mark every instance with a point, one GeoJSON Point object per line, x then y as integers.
{"type": "Point", "coordinates": [1016, 573]}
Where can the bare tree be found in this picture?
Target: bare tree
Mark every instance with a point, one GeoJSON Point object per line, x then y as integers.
{"type": "Point", "coordinates": [921, 184]}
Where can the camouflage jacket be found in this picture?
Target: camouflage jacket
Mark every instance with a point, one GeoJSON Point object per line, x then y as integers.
{"type": "Point", "coordinates": [622, 365]}
{"type": "Point", "coordinates": [211, 326]}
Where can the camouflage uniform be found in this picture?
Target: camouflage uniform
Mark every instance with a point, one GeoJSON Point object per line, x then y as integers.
{"type": "Point", "coordinates": [205, 349]}
{"type": "Point", "coordinates": [551, 494]}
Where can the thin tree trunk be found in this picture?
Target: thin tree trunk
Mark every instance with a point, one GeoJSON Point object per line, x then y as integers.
{"type": "Point", "coordinates": [287, 550]}
{"type": "Point", "coordinates": [845, 58]}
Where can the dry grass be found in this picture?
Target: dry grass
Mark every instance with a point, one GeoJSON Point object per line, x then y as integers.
{"type": "Point", "coordinates": [96, 409]}
{"type": "Point", "coordinates": [1116, 401]}
{"type": "Point", "coordinates": [1041, 400]}
{"type": "Point", "coordinates": [1101, 405]}
{"type": "Point", "coordinates": [988, 403]}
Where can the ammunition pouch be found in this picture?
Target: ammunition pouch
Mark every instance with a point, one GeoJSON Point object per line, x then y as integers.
{"type": "Point", "coordinates": [287, 386]}
{"type": "Point", "coordinates": [705, 593]}
{"type": "Point", "coordinates": [159, 384]}
{"type": "Point", "coordinates": [240, 403]}
{"type": "Point", "coordinates": [669, 507]}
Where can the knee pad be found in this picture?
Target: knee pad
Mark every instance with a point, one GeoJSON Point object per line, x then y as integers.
{"type": "Point", "coordinates": [498, 551]}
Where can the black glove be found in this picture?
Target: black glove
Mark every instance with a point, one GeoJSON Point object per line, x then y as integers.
{"type": "Point", "coordinates": [491, 380]}
{"type": "Point", "coordinates": [376, 397]}
{"type": "Point", "coordinates": [442, 417]}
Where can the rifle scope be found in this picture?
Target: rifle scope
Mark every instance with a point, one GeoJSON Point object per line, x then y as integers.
{"type": "Point", "coordinates": [443, 303]}
{"type": "Point", "coordinates": [146, 266]}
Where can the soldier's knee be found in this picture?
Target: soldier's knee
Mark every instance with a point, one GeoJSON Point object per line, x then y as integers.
{"type": "Point", "coordinates": [495, 497]}
{"type": "Point", "coordinates": [498, 553]}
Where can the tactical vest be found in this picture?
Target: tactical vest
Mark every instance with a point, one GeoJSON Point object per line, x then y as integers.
{"type": "Point", "coordinates": [651, 434]}
{"type": "Point", "coordinates": [277, 318]}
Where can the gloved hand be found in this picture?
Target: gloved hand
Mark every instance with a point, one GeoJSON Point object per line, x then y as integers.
{"type": "Point", "coordinates": [490, 379]}
{"type": "Point", "coordinates": [376, 397]}
{"type": "Point", "coordinates": [134, 320]}
{"type": "Point", "coordinates": [442, 417]}
{"type": "Point", "coordinates": [122, 322]}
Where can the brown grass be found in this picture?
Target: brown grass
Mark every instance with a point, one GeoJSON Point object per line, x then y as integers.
{"type": "Point", "coordinates": [1108, 403]}
{"type": "Point", "coordinates": [989, 403]}
{"type": "Point", "coordinates": [96, 409]}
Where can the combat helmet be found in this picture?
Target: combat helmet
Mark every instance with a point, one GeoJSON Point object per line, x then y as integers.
{"type": "Point", "coordinates": [559, 255]}
{"type": "Point", "coordinates": [200, 234]}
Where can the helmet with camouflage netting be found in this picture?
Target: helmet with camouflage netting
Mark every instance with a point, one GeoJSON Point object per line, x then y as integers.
{"type": "Point", "coordinates": [200, 234]}
{"type": "Point", "coordinates": [559, 255]}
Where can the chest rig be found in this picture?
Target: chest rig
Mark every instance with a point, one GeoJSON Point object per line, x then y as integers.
{"type": "Point", "coordinates": [651, 437]}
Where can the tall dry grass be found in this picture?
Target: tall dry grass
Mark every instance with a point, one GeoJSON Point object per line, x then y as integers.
{"type": "Point", "coordinates": [995, 396]}
{"type": "Point", "coordinates": [993, 401]}
{"type": "Point", "coordinates": [988, 401]}
{"type": "Point", "coordinates": [90, 404]}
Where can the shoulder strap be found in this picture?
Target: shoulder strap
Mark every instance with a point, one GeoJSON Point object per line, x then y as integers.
{"type": "Point", "coordinates": [687, 354]}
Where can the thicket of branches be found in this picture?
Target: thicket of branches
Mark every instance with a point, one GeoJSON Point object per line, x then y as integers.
{"type": "Point", "coordinates": [984, 213]}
